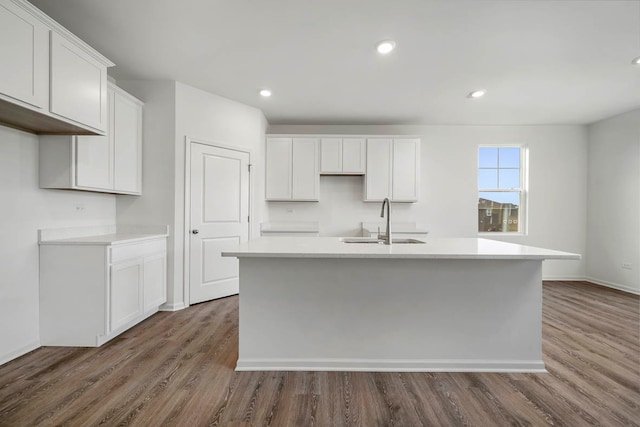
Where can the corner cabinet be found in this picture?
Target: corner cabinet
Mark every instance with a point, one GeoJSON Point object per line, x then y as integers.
{"type": "Point", "coordinates": [292, 169]}
{"type": "Point", "coordinates": [393, 169]}
{"type": "Point", "coordinates": [93, 289]}
{"type": "Point", "coordinates": [111, 163]}
{"type": "Point", "coordinates": [51, 82]}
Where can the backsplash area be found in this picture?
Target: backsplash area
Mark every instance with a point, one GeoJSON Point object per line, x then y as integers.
{"type": "Point", "coordinates": [340, 210]}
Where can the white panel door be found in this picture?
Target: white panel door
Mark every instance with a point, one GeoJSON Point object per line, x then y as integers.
{"type": "Point", "coordinates": [24, 49]}
{"type": "Point", "coordinates": [331, 155]}
{"type": "Point", "coordinates": [353, 155]}
{"type": "Point", "coordinates": [127, 138]}
{"type": "Point", "coordinates": [305, 176]}
{"type": "Point", "coordinates": [378, 177]}
{"type": "Point", "coordinates": [406, 170]}
{"type": "Point", "coordinates": [78, 84]}
{"type": "Point", "coordinates": [219, 219]}
{"type": "Point", "coordinates": [94, 158]}
{"type": "Point", "coordinates": [278, 169]}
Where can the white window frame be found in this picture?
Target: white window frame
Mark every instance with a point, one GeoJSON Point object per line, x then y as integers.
{"type": "Point", "coordinates": [523, 209]}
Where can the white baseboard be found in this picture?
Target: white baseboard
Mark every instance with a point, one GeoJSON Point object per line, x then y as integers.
{"type": "Point", "coordinates": [172, 307]}
{"type": "Point", "coordinates": [564, 278]}
{"type": "Point", "coordinates": [7, 357]}
{"type": "Point", "coordinates": [612, 285]}
{"type": "Point", "coordinates": [384, 365]}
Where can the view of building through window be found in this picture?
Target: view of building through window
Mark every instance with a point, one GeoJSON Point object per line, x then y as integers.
{"type": "Point", "coordinates": [500, 189]}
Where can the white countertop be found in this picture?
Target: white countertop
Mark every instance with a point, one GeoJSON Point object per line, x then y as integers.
{"type": "Point", "coordinates": [434, 248]}
{"type": "Point", "coordinates": [104, 239]}
{"type": "Point", "coordinates": [290, 227]}
{"type": "Point", "coordinates": [101, 235]}
{"type": "Point", "coordinates": [396, 227]}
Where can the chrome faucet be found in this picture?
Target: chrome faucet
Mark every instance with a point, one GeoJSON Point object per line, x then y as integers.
{"type": "Point", "coordinates": [387, 237]}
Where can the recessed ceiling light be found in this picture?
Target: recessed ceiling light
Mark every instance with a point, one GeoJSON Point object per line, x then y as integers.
{"type": "Point", "coordinates": [636, 61]}
{"type": "Point", "coordinates": [477, 93]}
{"type": "Point", "coordinates": [265, 92]}
{"type": "Point", "coordinates": [386, 46]}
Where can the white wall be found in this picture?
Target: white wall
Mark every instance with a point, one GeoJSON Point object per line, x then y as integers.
{"type": "Point", "coordinates": [24, 209]}
{"type": "Point", "coordinates": [613, 224]}
{"type": "Point", "coordinates": [448, 203]}
{"type": "Point", "coordinates": [203, 116]}
{"type": "Point", "coordinates": [172, 112]}
{"type": "Point", "coordinates": [155, 205]}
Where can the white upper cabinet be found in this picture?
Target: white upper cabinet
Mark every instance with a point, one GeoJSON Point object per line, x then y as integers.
{"type": "Point", "coordinates": [278, 169]}
{"type": "Point", "coordinates": [305, 175]}
{"type": "Point", "coordinates": [292, 169]}
{"type": "Point", "coordinates": [405, 183]}
{"type": "Point", "coordinates": [24, 49]}
{"type": "Point", "coordinates": [342, 156]}
{"type": "Point", "coordinates": [51, 82]}
{"type": "Point", "coordinates": [111, 163]}
{"type": "Point", "coordinates": [126, 128]}
{"type": "Point", "coordinates": [393, 169]}
{"type": "Point", "coordinates": [378, 177]}
{"type": "Point", "coordinates": [94, 158]}
{"type": "Point", "coordinates": [73, 72]}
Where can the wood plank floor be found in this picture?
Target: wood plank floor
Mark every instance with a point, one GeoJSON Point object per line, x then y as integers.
{"type": "Point", "coordinates": [177, 369]}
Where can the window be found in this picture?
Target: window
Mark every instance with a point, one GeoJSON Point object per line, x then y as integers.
{"type": "Point", "coordinates": [501, 189]}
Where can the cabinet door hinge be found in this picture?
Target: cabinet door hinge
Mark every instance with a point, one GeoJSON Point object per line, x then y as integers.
{"type": "Point", "coordinates": [249, 167]}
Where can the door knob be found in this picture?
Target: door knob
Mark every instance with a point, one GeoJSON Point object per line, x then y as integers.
{"type": "Point", "coordinates": [195, 231]}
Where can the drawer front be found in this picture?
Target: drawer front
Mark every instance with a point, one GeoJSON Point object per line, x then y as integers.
{"type": "Point", "coordinates": [137, 250]}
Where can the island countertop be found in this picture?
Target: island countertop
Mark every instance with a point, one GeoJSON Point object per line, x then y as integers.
{"type": "Point", "coordinates": [433, 248]}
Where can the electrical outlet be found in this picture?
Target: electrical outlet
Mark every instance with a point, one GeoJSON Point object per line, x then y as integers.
{"type": "Point", "coordinates": [626, 265]}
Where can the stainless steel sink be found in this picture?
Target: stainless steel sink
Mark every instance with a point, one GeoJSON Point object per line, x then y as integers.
{"type": "Point", "coordinates": [378, 241]}
{"type": "Point", "coordinates": [402, 241]}
{"type": "Point", "coordinates": [361, 240]}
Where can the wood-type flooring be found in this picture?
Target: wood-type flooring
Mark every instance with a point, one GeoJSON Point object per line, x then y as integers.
{"type": "Point", "coordinates": [176, 369]}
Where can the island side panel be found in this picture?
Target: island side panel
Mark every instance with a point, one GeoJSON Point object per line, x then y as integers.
{"type": "Point", "coordinates": [390, 315]}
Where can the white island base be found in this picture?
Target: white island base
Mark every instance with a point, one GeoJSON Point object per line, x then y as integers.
{"type": "Point", "coordinates": [390, 315]}
{"type": "Point", "coordinates": [321, 304]}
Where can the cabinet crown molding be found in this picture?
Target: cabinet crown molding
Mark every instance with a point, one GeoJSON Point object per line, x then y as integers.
{"type": "Point", "coordinates": [55, 26]}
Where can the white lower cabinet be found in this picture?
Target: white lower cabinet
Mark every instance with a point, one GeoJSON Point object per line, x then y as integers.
{"type": "Point", "coordinates": [90, 293]}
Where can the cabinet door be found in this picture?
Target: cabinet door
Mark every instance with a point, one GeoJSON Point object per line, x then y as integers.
{"type": "Point", "coordinates": [378, 177]}
{"type": "Point", "coordinates": [278, 169]}
{"type": "Point", "coordinates": [125, 302]}
{"type": "Point", "coordinates": [94, 159]}
{"type": "Point", "coordinates": [126, 128]}
{"type": "Point", "coordinates": [406, 170]}
{"type": "Point", "coordinates": [353, 155]}
{"type": "Point", "coordinates": [24, 49]}
{"type": "Point", "coordinates": [154, 282]}
{"type": "Point", "coordinates": [305, 176]}
{"type": "Point", "coordinates": [78, 84]}
{"type": "Point", "coordinates": [331, 155]}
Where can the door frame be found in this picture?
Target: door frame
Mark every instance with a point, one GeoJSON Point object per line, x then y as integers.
{"type": "Point", "coordinates": [186, 243]}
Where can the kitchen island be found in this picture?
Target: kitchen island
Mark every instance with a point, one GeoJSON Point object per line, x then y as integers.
{"type": "Point", "coordinates": [462, 304]}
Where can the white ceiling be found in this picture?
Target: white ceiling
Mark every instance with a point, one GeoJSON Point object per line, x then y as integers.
{"type": "Point", "coordinates": [542, 62]}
